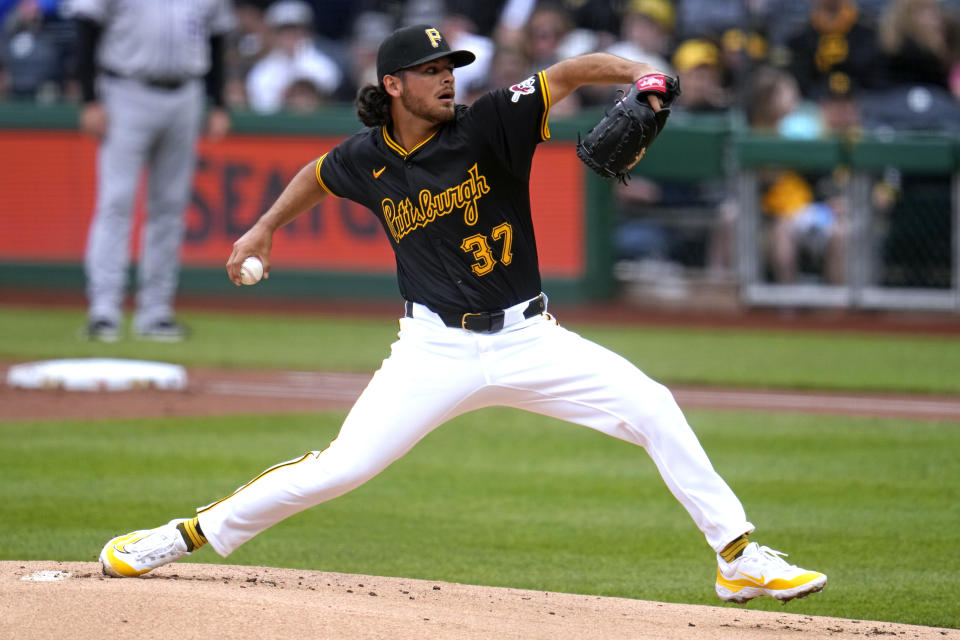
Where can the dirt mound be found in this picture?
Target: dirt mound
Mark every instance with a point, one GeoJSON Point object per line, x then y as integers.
{"type": "Point", "coordinates": [74, 600]}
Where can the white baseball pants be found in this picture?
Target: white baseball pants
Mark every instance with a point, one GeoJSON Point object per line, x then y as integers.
{"type": "Point", "coordinates": [435, 373]}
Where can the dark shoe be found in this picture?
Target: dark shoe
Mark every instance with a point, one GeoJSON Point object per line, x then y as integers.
{"type": "Point", "coordinates": [102, 330]}
{"type": "Point", "coordinates": [168, 330]}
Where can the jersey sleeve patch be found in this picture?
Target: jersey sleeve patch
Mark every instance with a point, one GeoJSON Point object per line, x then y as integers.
{"type": "Point", "coordinates": [525, 88]}
{"type": "Point", "coordinates": [529, 87]}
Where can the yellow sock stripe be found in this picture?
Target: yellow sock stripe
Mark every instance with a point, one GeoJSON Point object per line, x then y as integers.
{"type": "Point", "coordinates": [188, 538]}
{"type": "Point", "coordinates": [190, 526]}
{"type": "Point", "coordinates": [731, 550]}
{"type": "Point", "coordinates": [195, 525]}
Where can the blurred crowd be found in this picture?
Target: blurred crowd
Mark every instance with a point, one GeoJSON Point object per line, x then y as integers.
{"type": "Point", "coordinates": [800, 68]}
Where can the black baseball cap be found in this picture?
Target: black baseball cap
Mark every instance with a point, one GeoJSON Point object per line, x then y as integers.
{"type": "Point", "coordinates": [413, 45]}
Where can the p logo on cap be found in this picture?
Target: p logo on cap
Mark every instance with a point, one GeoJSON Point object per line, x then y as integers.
{"type": "Point", "coordinates": [406, 47]}
{"type": "Point", "coordinates": [435, 37]}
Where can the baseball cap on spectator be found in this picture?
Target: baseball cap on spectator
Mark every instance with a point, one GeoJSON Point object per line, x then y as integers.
{"type": "Point", "coordinates": [289, 13]}
{"type": "Point", "coordinates": [659, 11]}
{"type": "Point", "coordinates": [737, 40]}
{"type": "Point", "coordinates": [694, 53]}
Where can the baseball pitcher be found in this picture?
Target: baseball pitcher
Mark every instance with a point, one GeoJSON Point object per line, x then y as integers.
{"type": "Point", "coordinates": [450, 186]}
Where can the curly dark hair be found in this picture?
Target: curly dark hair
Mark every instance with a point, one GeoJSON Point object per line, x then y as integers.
{"type": "Point", "coordinates": [373, 105]}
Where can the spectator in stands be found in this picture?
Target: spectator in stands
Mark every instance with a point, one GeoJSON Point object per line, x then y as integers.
{"type": "Point", "coordinates": [292, 55]}
{"type": "Point", "coordinates": [501, 20]}
{"type": "Point", "coordinates": [919, 39]}
{"type": "Point", "coordinates": [601, 17]}
{"type": "Point", "coordinates": [804, 214]}
{"type": "Point", "coordinates": [247, 46]}
{"type": "Point", "coordinates": [839, 111]}
{"type": "Point", "coordinates": [369, 30]}
{"type": "Point", "coordinates": [669, 221]}
{"type": "Point", "coordinates": [509, 66]}
{"type": "Point", "coordinates": [303, 96]}
{"type": "Point", "coordinates": [549, 24]}
{"type": "Point", "coordinates": [546, 30]}
{"type": "Point", "coordinates": [773, 96]}
{"type": "Point", "coordinates": [646, 28]}
{"type": "Point", "coordinates": [711, 18]}
{"type": "Point", "coordinates": [484, 17]}
{"type": "Point", "coordinates": [462, 33]}
{"type": "Point", "coordinates": [697, 63]}
{"type": "Point", "coordinates": [742, 51]}
{"type": "Point", "coordinates": [37, 49]}
{"type": "Point", "coordinates": [834, 46]}
{"type": "Point", "coordinates": [919, 42]}
{"type": "Point", "coordinates": [335, 17]}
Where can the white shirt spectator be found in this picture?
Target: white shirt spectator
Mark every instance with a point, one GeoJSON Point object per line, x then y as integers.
{"type": "Point", "coordinates": [294, 56]}
{"type": "Point", "coordinates": [473, 75]}
{"type": "Point", "coordinates": [269, 79]}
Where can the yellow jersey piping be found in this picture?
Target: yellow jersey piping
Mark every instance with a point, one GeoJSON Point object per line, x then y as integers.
{"type": "Point", "coordinates": [273, 468]}
{"type": "Point", "coordinates": [320, 180]}
{"type": "Point", "coordinates": [544, 126]}
{"type": "Point", "coordinates": [400, 150]}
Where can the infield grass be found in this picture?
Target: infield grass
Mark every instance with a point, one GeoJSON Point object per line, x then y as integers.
{"type": "Point", "coordinates": [726, 357]}
{"type": "Point", "coordinates": [505, 498]}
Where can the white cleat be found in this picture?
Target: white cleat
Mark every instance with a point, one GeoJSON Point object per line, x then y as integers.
{"type": "Point", "coordinates": [762, 571]}
{"type": "Point", "coordinates": [136, 553]}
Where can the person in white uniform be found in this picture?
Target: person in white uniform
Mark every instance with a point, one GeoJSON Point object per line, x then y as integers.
{"type": "Point", "coordinates": [144, 70]}
{"type": "Point", "coordinates": [449, 184]}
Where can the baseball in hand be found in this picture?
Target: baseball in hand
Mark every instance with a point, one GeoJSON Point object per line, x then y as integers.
{"type": "Point", "coordinates": [251, 270]}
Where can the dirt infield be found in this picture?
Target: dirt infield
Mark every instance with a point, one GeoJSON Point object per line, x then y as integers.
{"type": "Point", "coordinates": [221, 391]}
{"type": "Point", "coordinates": [73, 600]}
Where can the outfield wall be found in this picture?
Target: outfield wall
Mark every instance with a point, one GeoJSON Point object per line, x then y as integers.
{"type": "Point", "coordinates": [47, 191]}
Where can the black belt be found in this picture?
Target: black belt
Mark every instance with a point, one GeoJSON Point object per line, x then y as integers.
{"type": "Point", "coordinates": [166, 84]}
{"type": "Point", "coordinates": [484, 321]}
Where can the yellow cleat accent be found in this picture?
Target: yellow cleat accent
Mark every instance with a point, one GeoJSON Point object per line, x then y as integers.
{"type": "Point", "coordinates": [761, 571]}
{"type": "Point", "coordinates": [136, 553]}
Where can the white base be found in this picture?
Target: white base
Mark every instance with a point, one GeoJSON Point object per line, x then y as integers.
{"type": "Point", "coordinates": [97, 374]}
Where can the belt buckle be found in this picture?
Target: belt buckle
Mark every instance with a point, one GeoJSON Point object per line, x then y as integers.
{"type": "Point", "coordinates": [463, 320]}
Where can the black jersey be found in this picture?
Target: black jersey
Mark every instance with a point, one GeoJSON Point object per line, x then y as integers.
{"type": "Point", "coordinates": [456, 208]}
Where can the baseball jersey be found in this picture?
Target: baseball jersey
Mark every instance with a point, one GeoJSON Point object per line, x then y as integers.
{"type": "Point", "coordinates": [456, 207]}
{"type": "Point", "coordinates": [166, 39]}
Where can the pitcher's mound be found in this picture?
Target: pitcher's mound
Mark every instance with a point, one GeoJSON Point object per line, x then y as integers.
{"type": "Point", "coordinates": [74, 600]}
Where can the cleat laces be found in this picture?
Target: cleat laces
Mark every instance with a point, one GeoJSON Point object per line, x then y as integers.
{"type": "Point", "coordinates": [148, 550]}
{"type": "Point", "coordinates": [774, 556]}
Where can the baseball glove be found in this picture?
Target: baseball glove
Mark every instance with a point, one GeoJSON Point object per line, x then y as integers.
{"type": "Point", "coordinates": [622, 136]}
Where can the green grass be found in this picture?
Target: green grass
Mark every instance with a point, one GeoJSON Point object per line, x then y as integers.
{"type": "Point", "coordinates": [691, 356]}
{"type": "Point", "coordinates": [528, 503]}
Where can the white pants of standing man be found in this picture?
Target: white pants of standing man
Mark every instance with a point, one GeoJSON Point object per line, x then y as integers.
{"type": "Point", "coordinates": [154, 129]}
{"type": "Point", "coordinates": [435, 373]}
